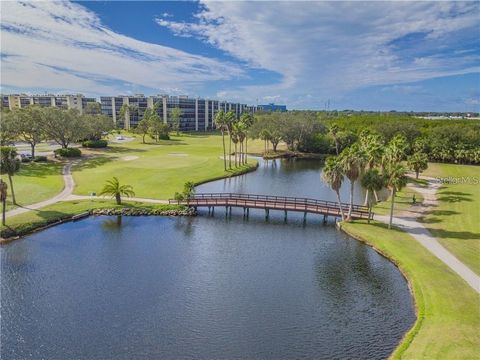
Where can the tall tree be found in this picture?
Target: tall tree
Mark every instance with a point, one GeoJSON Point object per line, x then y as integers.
{"type": "Point", "coordinates": [175, 116]}
{"type": "Point", "coordinates": [115, 190]}
{"type": "Point", "coordinates": [353, 163]}
{"type": "Point", "coordinates": [395, 178]}
{"type": "Point", "coordinates": [333, 130]}
{"type": "Point", "coordinates": [9, 165]}
{"type": "Point", "coordinates": [126, 112]}
{"type": "Point", "coordinates": [3, 198]}
{"type": "Point", "coordinates": [333, 176]}
{"type": "Point", "coordinates": [372, 146]}
{"type": "Point", "coordinates": [143, 128]}
{"type": "Point", "coordinates": [247, 119]}
{"type": "Point", "coordinates": [372, 181]}
{"type": "Point", "coordinates": [220, 122]}
{"type": "Point", "coordinates": [93, 108]}
{"type": "Point", "coordinates": [63, 126]}
{"type": "Point", "coordinates": [418, 162]}
{"type": "Point", "coordinates": [229, 122]}
{"type": "Point", "coordinates": [8, 128]}
{"type": "Point", "coordinates": [28, 122]}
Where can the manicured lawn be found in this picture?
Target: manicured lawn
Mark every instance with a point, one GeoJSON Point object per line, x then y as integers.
{"type": "Point", "coordinates": [456, 221]}
{"type": "Point", "coordinates": [403, 200]}
{"type": "Point", "coordinates": [155, 170]}
{"type": "Point", "coordinates": [25, 222]}
{"type": "Point", "coordinates": [35, 182]}
{"type": "Point", "coordinates": [448, 309]}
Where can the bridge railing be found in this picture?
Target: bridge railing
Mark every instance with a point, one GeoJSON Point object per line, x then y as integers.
{"type": "Point", "coordinates": [274, 198]}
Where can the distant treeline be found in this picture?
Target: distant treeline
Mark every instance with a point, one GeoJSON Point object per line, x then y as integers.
{"type": "Point", "coordinates": [456, 141]}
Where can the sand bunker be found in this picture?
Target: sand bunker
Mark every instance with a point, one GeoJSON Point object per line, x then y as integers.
{"type": "Point", "coordinates": [129, 158]}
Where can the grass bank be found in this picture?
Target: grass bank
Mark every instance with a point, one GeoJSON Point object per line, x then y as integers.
{"type": "Point", "coordinates": [448, 311]}
{"type": "Point", "coordinates": [455, 222]}
{"type": "Point", "coordinates": [28, 222]}
{"type": "Point", "coordinates": [156, 170]}
{"type": "Point", "coordinates": [35, 182]}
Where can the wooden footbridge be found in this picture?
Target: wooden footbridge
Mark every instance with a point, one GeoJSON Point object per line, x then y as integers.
{"type": "Point", "coordinates": [268, 202]}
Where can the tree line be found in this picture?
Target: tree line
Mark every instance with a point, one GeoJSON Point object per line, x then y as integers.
{"type": "Point", "coordinates": [454, 141]}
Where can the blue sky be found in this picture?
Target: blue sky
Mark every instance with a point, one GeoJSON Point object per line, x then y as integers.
{"type": "Point", "coordinates": [420, 56]}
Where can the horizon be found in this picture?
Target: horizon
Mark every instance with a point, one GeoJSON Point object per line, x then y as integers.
{"type": "Point", "coordinates": [248, 52]}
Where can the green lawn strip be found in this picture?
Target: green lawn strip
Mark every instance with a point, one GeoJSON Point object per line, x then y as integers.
{"type": "Point", "coordinates": [448, 315]}
{"type": "Point", "coordinates": [455, 222]}
{"type": "Point", "coordinates": [35, 182]}
{"type": "Point", "coordinates": [403, 201]}
{"type": "Point", "coordinates": [156, 170]}
{"type": "Point", "coordinates": [27, 222]}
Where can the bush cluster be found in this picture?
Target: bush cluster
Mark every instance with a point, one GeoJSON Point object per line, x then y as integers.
{"type": "Point", "coordinates": [68, 152]}
{"type": "Point", "coordinates": [95, 143]}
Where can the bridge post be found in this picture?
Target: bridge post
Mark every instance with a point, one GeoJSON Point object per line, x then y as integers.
{"type": "Point", "coordinates": [267, 213]}
{"type": "Point", "coordinates": [209, 210]}
{"type": "Point", "coordinates": [285, 217]}
{"type": "Point", "coordinates": [213, 210]}
{"type": "Point", "coordinates": [305, 217]}
{"type": "Point", "coordinates": [230, 211]}
{"type": "Point", "coordinates": [325, 219]}
{"type": "Point", "coordinates": [226, 211]}
{"type": "Point", "coordinates": [248, 211]}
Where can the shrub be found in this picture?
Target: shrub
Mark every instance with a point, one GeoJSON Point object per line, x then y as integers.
{"type": "Point", "coordinates": [68, 152]}
{"type": "Point", "coordinates": [179, 196]}
{"type": "Point", "coordinates": [26, 160]}
{"type": "Point", "coordinates": [95, 143]}
{"type": "Point", "coordinates": [164, 137]}
{"type": "Point", "coordinates": [40, 158]}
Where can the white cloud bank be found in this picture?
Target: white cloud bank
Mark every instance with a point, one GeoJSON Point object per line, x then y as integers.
{"type": "Point", "coordinates": [64, 47]}
{"type": "Point", "coordinates": [329, 48]}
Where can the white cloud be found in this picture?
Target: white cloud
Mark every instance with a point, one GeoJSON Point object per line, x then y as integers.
{"type": "Point", "coordinates": [329, 48]}
{"type": "Point", "coordinates": [61, 45]}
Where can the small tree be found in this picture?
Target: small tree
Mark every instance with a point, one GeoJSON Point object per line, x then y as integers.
{"type": "Point", "coordinates": [8, 128]}
{"type": "Point", "coordinates": [143, 128]}
{"type": "Point", "coordinates": [188, 189]}
{"type": "Point", "coordinates": [175, 116]}
{"type": "Point", "coordinates": [9, 165]}
{"type": "Point", "coordinates": [333, 130]}
{"type": "Point", "coordinates": [333, 175]}
{"type": "Point", "coordinates": [418, 162]}
{"type": "Point", "coordinates": [115, 190]}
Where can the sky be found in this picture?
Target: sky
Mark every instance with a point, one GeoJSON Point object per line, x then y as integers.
{"type": "Point", "coordinates": [404, 56]}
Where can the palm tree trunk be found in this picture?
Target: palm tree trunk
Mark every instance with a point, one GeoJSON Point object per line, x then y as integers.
{"type": "Point", "coordinates": [224, 152]}
{"type": "Point", "coordinates": [365, 202]}
{"type": "Point", "coordinates": [350, 208]}
{"type": "Point", "coordinates": [14, 201]}
{"type": "Point", "coordinates": [235, 158]}
{"type": "Point", "coordinates": [391, 209]}
{"type": "Point", "coordinates": [230, 151]}
{"type": "Point", "coordinates": [340, 205]}
{"type": "Point", "coordinates": [369, 208]}
{"type": "Point", "coordinates": [118, 199]}
{"type": "Point", "coordinates": [4, 206]}
{"type": "Point", "coordinates": [246, 150]}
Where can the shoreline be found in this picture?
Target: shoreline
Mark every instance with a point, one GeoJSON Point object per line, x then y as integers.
{"type": "Point", "coordinates": [419, 306]}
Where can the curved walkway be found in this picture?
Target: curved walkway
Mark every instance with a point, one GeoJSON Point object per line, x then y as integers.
{"type": "Point", "coordinates": [407, 221]}
{"type": "Point", "coordinates": [66, 192]}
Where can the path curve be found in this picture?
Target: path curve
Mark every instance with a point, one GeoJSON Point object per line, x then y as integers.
{"type": "Point", "coordinates": [69, 185]}
{"type": "Point", "coordinates": [408, 222]}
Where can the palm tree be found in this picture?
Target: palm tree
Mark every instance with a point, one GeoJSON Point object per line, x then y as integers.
{"type": "Point", "coordinates": [334, 131]}
{"type": "Point", "coordinates": [395, 180]}
{"type": "Point", "coordinates": [333, 176]}
{"type": "Point", "coordinates": [235, 139]}
{"type": "Point", "coordinates": [418, 162]}
{"type": "Point", "coordinates": [9, 165]}
{"type": "Point", "coordinates": [229, 121]}
{"type": "Point", "coordinates": [372, 146]}
{"type": "Point", "coordinates": [247, 119]}
{"type": "Point", "coordinates": [221, 124]}
{"type": "Point", "coordinates": [3, 198]}
{"type": "Point", "coordinates": [126, 111]}
{"type": "Point", "coordinates": [372, 181]}
{"type": "Point", "coordinates": [395, 151]}
{"type": "Point", "coordinates": [114, 189]}
{"type": "Point", "coordinates": [265, 136]}
{"type": "Point", "coordinates": [353, 163]}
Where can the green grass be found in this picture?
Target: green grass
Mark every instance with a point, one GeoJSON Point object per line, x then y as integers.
{"type": "Point", "coordinates": [456, 220]}
{"type": "Point", "coordinates": [35, 182]}
{"type": "Point", "coordinates": [27, 222]}
{"type": "Point", "coordinates": [448, 309]}
{"type": "Point", "coordinates": [155, 170]}
{"type": "Point", "coordinates": [403, 201]}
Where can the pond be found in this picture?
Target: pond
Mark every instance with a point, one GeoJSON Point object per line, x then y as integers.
{"type": "Point", "coordinates": [204, 287]}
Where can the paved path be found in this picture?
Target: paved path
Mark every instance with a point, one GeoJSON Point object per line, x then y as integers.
{"type": "Point", "coordinates": [407, 221]}
{"type": "Point", "coordinates": [67, 191]}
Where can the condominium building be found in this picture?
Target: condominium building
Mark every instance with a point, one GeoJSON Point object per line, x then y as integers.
{"type": "Point", "coordinates": [196, 114]}
{"type": "Point", "coordinates": [78, 101]}
{"type": "Point", "coordinates": [272, 108]}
